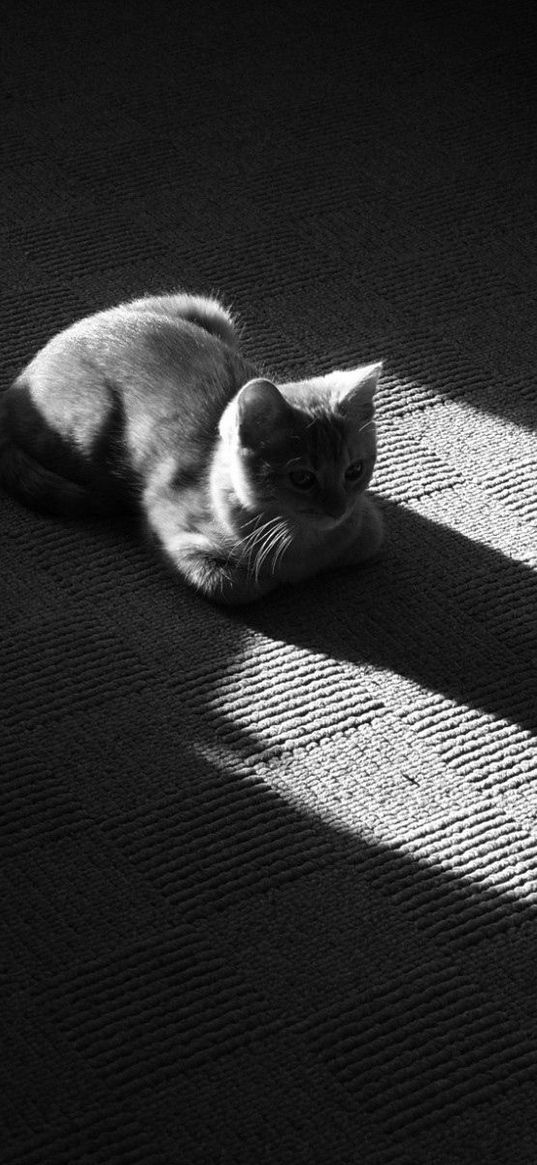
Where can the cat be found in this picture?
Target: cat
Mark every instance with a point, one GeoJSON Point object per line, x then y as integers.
{"type": "Point", "coordinates": [243, 483]}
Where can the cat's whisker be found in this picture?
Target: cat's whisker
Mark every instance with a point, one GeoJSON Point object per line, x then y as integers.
{"type": "Point", "coordinates": [285, 542]}
{"type": "Point", "coordinates": [268, 545]}
{"type": "Point", "coordinates": [247, 543]}
{"type": "Point", "coordinates": [282, 544]}
{"type": "Point", "coordinates": [256, 544]}
{"type": "Point", "coordinates": [251, 539]}
{"type": "Point", "coordinates": [245, 552]}
{"type": "Point", "coordinates": [278, 547]}
{"type": "Point", "coordinates": [264, 549]}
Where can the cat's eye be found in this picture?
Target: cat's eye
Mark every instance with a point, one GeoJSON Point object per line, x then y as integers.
{"type": "Point", "coordinates": [302, 478]}
{"type": "Point", "coordinates": [354, 472]}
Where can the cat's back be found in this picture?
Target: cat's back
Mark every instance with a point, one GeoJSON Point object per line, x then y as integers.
{"type": "Point", "coordinates": [173, 365]}
{"type": "Point", "coordinates": [167, 349]}
{"type": "Point", "coordinates": [152, 327]}
{"type": "Point", "coordinates": [143, 372]}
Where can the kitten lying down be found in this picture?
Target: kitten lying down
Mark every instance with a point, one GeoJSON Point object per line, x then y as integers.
{"type": "Point", "coordinates": [150, 406]}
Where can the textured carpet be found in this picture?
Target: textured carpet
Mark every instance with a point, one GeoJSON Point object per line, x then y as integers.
{"type": "Point", "coordinates": [268, 881]}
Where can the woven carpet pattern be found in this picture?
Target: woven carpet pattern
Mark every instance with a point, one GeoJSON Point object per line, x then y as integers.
{"type": "Point", "coordinates": [268, 880]}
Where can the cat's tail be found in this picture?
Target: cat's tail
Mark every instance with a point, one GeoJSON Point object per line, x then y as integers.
{"type": "Point", "coordinates": [40, 488]}
{"type": "Point", "coordinates": [205, 311]}
{"type": "Point", "coordinates": [209, 314]}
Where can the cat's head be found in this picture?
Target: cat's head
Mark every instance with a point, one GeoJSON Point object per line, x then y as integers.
{"type": "Point", "coordinates": [303, 450]}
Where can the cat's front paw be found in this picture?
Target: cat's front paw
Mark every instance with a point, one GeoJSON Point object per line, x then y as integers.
{"type": "Point", "coordinates": [239, 590]}
{"type": "Point", "coordinates": [221, 579]}
{"type": "Point", "coordinates": [371, 535]}
{"type": "Point", "coordinates": [230, 585]}
{"type": "Point", "coordinates": [373, 531]}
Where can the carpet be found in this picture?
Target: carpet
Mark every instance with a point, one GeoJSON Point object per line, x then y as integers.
{"type": "Point", "coordinates": [268, 879]}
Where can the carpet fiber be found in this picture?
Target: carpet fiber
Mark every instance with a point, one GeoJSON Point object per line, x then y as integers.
{"type": "Point", "coordinates": [268, 884]}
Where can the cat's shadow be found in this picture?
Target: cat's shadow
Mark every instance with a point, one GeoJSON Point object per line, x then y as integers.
{"type": "Point", "coordinates": [452, 615]}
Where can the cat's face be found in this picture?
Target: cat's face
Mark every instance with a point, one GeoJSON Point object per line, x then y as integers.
{"type": "Point", "coordinates": [306, 450]}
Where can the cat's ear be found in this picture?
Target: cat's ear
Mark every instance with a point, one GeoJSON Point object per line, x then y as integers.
{"type": "Point", "coordinates": [262, 414]}
{"type": "Point", "coordinates": [354, 389]}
